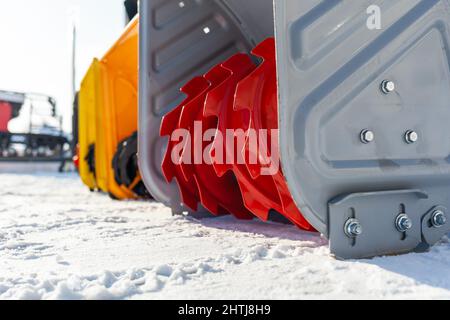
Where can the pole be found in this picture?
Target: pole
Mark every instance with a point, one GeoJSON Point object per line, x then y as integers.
{"type": "Point", "coordinates": [73, 76]}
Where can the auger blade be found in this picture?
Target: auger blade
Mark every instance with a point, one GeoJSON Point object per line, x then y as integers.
{"type": "Point", "coordinates": [219, 102]}
{"type": "Point", "coordinates": [257, 94]}
{"type": "Point", "coordinates": [252, 83]}
{"type": "Point", "coordinates": [170, 123]}
{"type": "Point", "coordinates": [290, 209]}
{"type": "Point", "coordinates": [260, 195]}
{"type": "Point", "coordinates": [192, 119]}
{"type": "Point", "coordinates": [217, 194]}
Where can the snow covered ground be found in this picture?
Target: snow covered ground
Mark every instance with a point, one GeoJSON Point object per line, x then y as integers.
{"type": "Point", "coordinates": [59, 241]}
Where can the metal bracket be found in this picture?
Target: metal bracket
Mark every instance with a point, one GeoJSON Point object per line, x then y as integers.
{"type": "Point", "coordinates": [377, 214]}
{"type": "Point", "coordinates": [432, 233]}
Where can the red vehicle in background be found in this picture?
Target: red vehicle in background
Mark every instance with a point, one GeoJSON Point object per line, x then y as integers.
{"type": "Point", "coordinates": [30, 129]}
{"type": "Point", "coordinates": [5, 115]}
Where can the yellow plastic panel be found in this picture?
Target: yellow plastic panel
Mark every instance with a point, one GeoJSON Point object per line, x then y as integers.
{"type": "Point", "coordinates": [88, 100]}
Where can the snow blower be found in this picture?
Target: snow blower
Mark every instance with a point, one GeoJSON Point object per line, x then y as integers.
{"type": "Point", "coordinates": [352, 95]}
{"type": "Point", "coordinates": [108, 121]}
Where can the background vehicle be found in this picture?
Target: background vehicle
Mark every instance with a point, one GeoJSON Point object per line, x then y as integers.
{"type": "Point", "coordinates": [31, 129]}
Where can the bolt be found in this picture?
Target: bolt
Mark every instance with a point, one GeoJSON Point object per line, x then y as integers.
{"type": "Point", "coordinates": [367, 136]}
{"type": "Point", "coordinates": [387, 86]}
{"type": "Point", "coordinates": [411, 137]}
{"type": "Point", "coordinates": [403, 223]}
{"type": "Point", "coordinates": [353, 228]}
{"type": "Point", "coordinates": [439, 219]}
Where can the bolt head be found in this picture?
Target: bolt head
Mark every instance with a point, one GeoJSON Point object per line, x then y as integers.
{"type": "Point", "coordinates": [367, 136]}
{"type": "Point", "coordinates": [403, 223]}
{"type": "Point", "coordinates": [353, 228]}
{"type": "Point", "coordinates": [411, 136]}
{"type": "Point", "coordinates": [387, 86]}
{"type": "Point", "coordinates": [439, 219]}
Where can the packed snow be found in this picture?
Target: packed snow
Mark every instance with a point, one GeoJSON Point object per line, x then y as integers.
{"type": "Point", "coordinates": [60, 241]}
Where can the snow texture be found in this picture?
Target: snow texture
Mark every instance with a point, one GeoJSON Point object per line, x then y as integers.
{"type": "Point", "coordinates": [59, 241]}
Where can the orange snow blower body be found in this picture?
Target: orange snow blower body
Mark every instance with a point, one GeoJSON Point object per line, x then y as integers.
{"type": "Point", "coordinates": [108, 107]}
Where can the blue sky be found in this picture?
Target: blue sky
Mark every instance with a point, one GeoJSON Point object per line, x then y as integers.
{"type": "Point", "coordinates": [35, 42]}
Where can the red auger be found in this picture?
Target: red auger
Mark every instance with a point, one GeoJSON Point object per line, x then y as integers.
{"type": "Point", "coordinates": [230, 177]}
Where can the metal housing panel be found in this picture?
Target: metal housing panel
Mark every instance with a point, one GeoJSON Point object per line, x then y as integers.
{"type": "Point", "coordinates": [331, 66]}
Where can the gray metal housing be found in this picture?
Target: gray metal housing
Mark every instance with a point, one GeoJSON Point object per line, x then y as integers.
{"type": "Point", "coordinates": [332, 71]}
